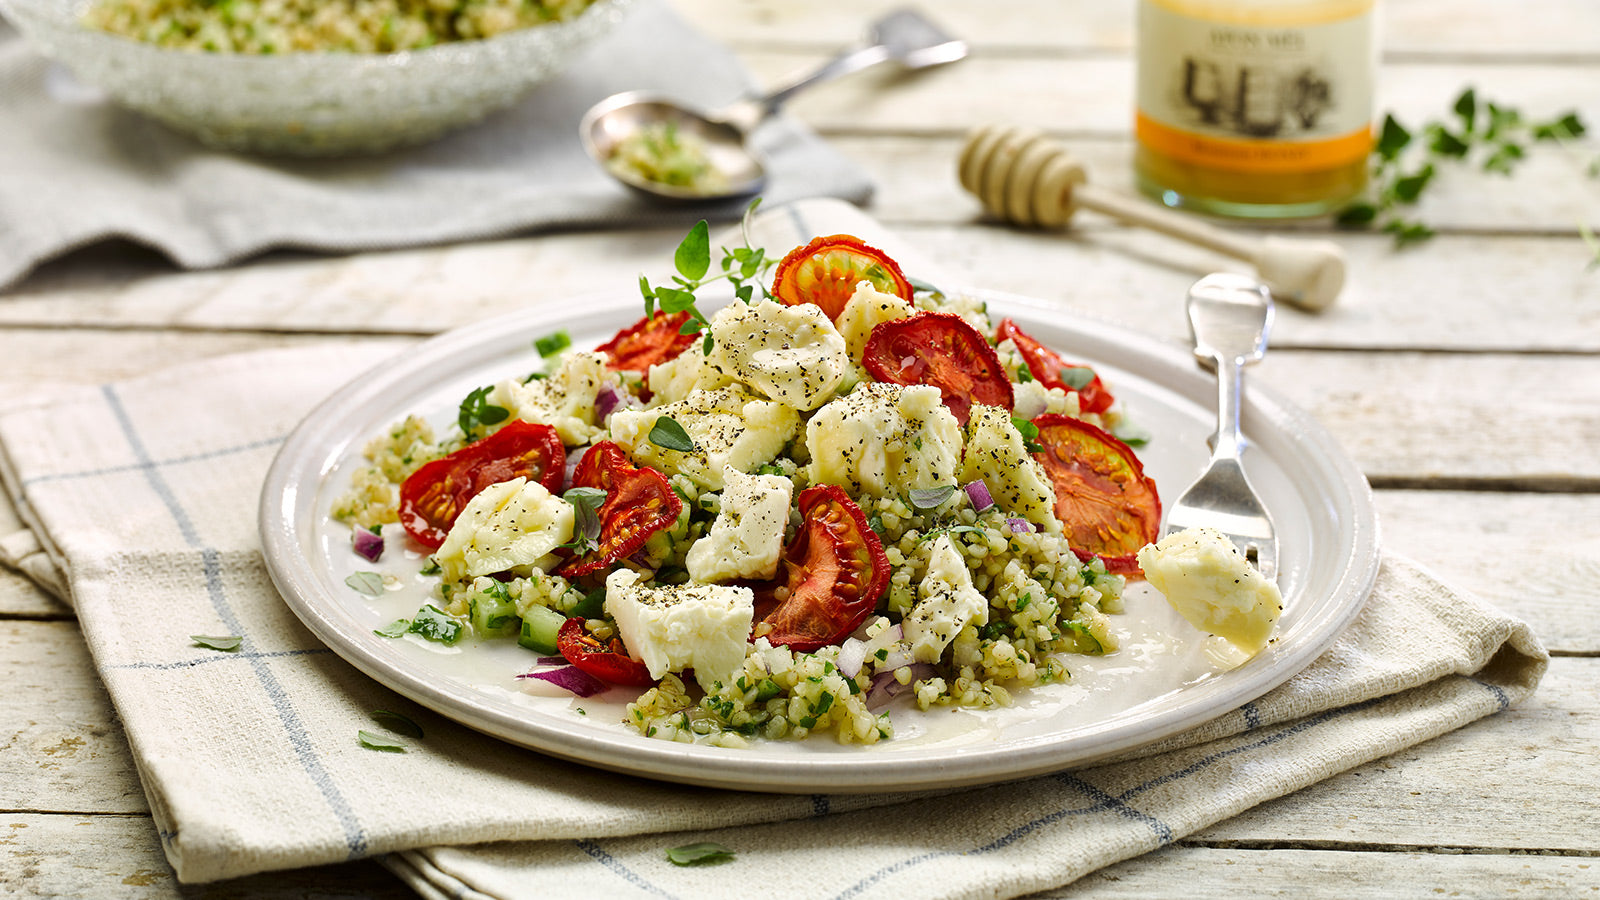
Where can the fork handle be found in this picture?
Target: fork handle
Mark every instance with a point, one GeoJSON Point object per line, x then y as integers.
{"type": "Point", "coordinates": [1229, 442]}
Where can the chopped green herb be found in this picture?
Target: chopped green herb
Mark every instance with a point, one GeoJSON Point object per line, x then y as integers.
{"type": "Point", "coordinates": [931, 498]}
{"type": "Point", "coordinates": [669, 435]}
{"type": "Point", "coordinates": [394, 629]}
{"type": "Point", "coordinates": [923, 287]}
{"type": "Point", "coordinates": [704, 853]}
{"type": "Point", "coordinates": [435, 625]}
{"type": "Point", "coordinates": [431, 567]}
{"type": "Point", "coordinates": [1077, 377]}
{"type": "Point", "coordinates": [770, 469]}
{"type": "Point", "coordinates": [225, 643]}
{"type": "Point", "coordinates": [824, 703]}
{"type": "Point", "coordinates": [551, 344]}
{"type": "Point", "coordinates": [767, 689]}
{"type": "Point", "coordinates": [1130, 434]}
{"type": "Point", "coordinates": [876, 524]}
{"type": "Point", "coordinates": [397, 723]}
{"type": "Point", "coordinates": [1029, 432]}
{"type": "Point", "coordinates": [1023, 375]}
{"type": "Point", "coordinates": [369, 583]}
{"type": "Point", "coordinates": [379, 742]}
{"type": "Point", "coordinates": [476, 412]}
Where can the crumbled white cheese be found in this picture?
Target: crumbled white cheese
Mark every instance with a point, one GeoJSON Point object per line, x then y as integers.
{"type": "Point", "coordinates": [746, 538]}
{"type": "Point", "coordinates": [513, 523]}
{"type": "Point", "coordinates": [884, 438]}
{"type": "Point", "coordinates": [868, 308]}
{"type": "Point", "coordinates": [948, 603]}
{"type": "Point", "coordinates": [671, 628]}
{"type": "Point", "coordinates": [1210, 583]}
{"type": "Point", "coordinates": [676, 378]}
{"type": "Point", "coordinates": [997, 456]}
{"type": "Point", "coordinates": [729, 427]}
{"type": "Point", "coordinates": [564, 401]}
{"type": "Point", "coordinates": [791, 354]}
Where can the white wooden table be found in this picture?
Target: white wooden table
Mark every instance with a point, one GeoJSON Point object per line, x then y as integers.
{"type": "Point", "coordinates": [1462, 375]}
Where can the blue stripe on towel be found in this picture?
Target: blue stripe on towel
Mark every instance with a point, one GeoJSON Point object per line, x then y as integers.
{"type": "Point", "coordinates": [594, 851]}
{"type": "Point", "coordinates": [355, 835]}
{"type": "Point", "coordinates": [146, 464]}
{"type": "Point", "coordinates": [224, 656]}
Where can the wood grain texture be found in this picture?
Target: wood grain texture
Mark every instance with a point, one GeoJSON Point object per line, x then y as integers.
{"type": "Point", "coordinates": [1409, 28]}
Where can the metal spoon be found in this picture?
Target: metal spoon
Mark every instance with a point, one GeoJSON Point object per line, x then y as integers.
{"type": "Point", "coordinates": [904, 36]}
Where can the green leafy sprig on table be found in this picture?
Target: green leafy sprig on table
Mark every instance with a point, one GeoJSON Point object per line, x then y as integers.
{"type": "Point", "coordinates": [742, 267]}
{"type": "Point", "coordinates": [1495, 138]}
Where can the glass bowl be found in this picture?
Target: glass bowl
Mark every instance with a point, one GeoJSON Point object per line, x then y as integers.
{"type": "Point", "coordinates": [311, 104]}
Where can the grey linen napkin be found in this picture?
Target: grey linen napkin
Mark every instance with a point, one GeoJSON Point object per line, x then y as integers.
{"type": "Point", "coordinates": [76, 169]}
{"type": "Point", "coordinates": [140, 498]}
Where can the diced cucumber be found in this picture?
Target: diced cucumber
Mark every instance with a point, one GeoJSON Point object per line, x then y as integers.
{"type": "Point", "coordinates": [434, 624]}
{"type": "Point", "coordinates": [494, 616]}
{"type": "Point", "coordinates": [539, 628]}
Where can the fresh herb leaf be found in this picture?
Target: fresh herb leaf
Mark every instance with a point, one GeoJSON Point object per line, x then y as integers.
{"type": "Point", "coordinates": [1029, 432]}
{"type": "Point", "coordinates": [931, 498]}
{"type": "Point", "coordinates": [586, 503]}
{"type": "Point", "coordinates": [876, 524]}
{"type": "Point", "coordinates": [1357, 215]}
{"type": "Point", "coordinates": [1446, 144]}
{"type": "Point", "coordinates": [1566, 128]}
{"type": "Point", "coordinates": [705, 853]}
{"type": "Point", "coordinates": [225, 643]}
{"type": "Point", "coordinates": [1407, 233]}
{"type": "Point", "coordinates": [379, 742]}
{"type": "Point", "coordinates": [649, 297]}
{"type": "Point", "coordinates": [394, 629]}
{"type": "Point", "coordinates": [669, 435]}
{"type": "Point", "coordinates": [1466, 107]}
{"type": "Point", "coordinates": [923, 287]}
{"type": "Point", "coordinates": [592, 606]}
{"type": "Point", "coordinates": [369, 583]}
{"type": "Point", "coordinates": [1130, 434]}
{"type": "Point", "coordinates": [1077, 377]}
{"type": "Point", "coordinates": [397, 723]}
{"type": "Point", "coordinates": [1503, 158]}
{"type": "Point", "coordinates": [432, 623]}
{"type": "Point", "coordinates": [1408, 187]}
{"type": "Point", "coordinates": [476, 411]}
{"type": "Point", "coordinates": [693, 257]}
{"type": "Point", "coordinates": [1592, 242]}
{"type": "Point", "coordinates": [551, 344]}
{"type": "Point", "coordinates": [1392, 139]}
{"type": "Point", "coordinates": [1023, 375]}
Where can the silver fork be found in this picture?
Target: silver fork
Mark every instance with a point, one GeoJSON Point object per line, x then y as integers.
{"type": "Point", "coordinates": [1229, 317]}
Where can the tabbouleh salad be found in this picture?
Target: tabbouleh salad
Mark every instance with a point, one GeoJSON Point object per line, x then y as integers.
{"type": "Point", "coordinates": [774, 520]}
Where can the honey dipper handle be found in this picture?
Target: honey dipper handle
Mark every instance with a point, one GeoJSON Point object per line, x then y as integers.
{"type": "Point", "coordinates": [1147, 215]}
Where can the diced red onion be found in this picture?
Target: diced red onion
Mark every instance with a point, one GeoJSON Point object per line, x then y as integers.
{"type": "Point", "coordinates": [978, 493]}
{"type": "Point", "coordinates": [605, 402]}
{"type": "Point", "coordinates": [1019, 526]}
{"type": "Point", "coordinates": [852, 653]}
{"type": "Point", "coordinates": [570, 678]}
{"type": "Point", "coordinates": [548, 661]}
{"type": "Point", "coordinates": [367, 544]}
{"type": "Point", "coordinates": [885, 686]}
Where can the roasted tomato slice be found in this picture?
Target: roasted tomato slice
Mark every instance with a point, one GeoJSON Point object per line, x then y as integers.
{"type": "Point", "coordinates": [638, 503]}
{"type": "Point", "coordinates": [434, 495]}
{"type": "Point", "coordinates": [607, 661]}
{"type": "Point", "coordinates": [1045, 366]}
{"type": "Point", "coordinates": [650, 341]}
{"type": "Point", "coordinates": [827, 270]}
{"type": "Point", "coordinates": [832, 575]}
{"type": "Point", "coordinates": [940, 349]}
{"type": "Point", "coordinates": [1106, 504]}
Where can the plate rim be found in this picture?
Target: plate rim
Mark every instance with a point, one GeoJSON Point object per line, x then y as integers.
{"type": "Point", "coordinates": [843, 773]}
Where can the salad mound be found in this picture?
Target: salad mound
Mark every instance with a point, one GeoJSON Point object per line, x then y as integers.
{"type": "Point", "coordinates": [825, 499]}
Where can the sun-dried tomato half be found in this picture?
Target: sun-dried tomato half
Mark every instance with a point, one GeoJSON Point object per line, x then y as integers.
{"type": "Point", "coordinates": [608, 661]}
{"type": "Point", "coordinates": [1107, 506]}
{"type": "Point", "coordinates": [648, 342]}
{"type": "Point", "coordinates": [638, 503]}
{"type": "Point", "coordinates": [832, 575]}
{"type": "Point", "coordinates": [1045, 365]}
{"type": "Point", "coordinates": [940, 349]}
{"type": "Point", "coordinates": [827, 270]}
{"type": "Point", "coordinates": [432, 498]}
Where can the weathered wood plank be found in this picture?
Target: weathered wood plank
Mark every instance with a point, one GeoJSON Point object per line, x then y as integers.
{"type": "Point", "coordinates": [116, 857]}
{"type": "Point", "coordinates": [1524, 779]}
{"type": "Point", "coordinates": [1456, 28]}
{"type": "Point", "coordinates": [1207, 873]}
{"type": "Point", "coordinates": [21, 597]}
{"type": "Point", "coordinates": [61, 746]}
{"type": "Point", "coordinates": [1393, 299]}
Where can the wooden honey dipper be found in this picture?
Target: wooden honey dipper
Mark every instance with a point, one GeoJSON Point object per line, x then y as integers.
{"type": "Point", "coordinates": [1028, 179]}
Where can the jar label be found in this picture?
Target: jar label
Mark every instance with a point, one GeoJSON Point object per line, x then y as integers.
{"type": "Point", "coordinates": [1295, 97]}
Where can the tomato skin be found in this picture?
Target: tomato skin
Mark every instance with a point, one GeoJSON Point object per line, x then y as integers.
{"type": "Point", "coordinates": [835, 571]}
{"type": "Point", "coordinates": [1045, 366]}
{"type": "Point", "coordinates": [826, 271]}
{"type": "Point", "coordinates": [1107, 506]}
{"type": "Point", "coordinates": [648, 342]}
{"type": "Point", "coordinates": [638, 503]}
{"type": "Point", "coordinates": [608, 662]}
{"type": "Point", "coordinates": [940, 349]}
{"type": "Point", "coordinates": [432, 497]}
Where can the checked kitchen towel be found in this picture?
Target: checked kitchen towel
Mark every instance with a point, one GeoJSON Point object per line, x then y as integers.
{"type": "Point", "coordinates": [140, 502]}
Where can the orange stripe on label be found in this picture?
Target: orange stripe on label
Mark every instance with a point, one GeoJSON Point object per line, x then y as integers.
{"type": "Point", "coordinates": [1252, 156]}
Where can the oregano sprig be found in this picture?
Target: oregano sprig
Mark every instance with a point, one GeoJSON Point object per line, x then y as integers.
{"type": "Point", "coordinates": [1492, 136]}
{"type": "Point", "coordinates": [744, 268]}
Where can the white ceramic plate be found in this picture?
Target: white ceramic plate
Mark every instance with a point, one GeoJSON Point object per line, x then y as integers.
{"type": "Point", "coordinates": [1165, 679]}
